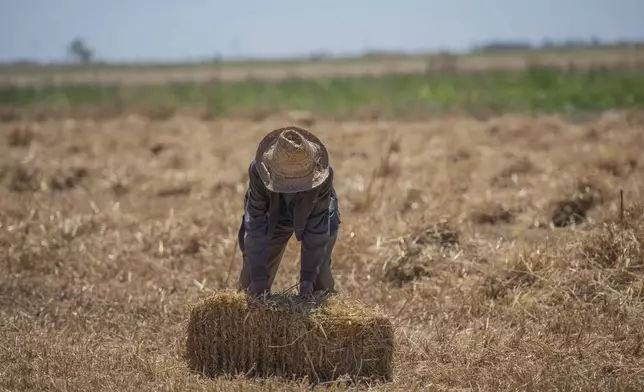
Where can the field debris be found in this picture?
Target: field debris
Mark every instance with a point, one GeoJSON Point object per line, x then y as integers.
{"type": "Point", "coordinates": [416, 254]}
{"type": "Point", "coordinates": [511, 175]}
{"type": "Point", "coordinates": [322, 339]}
{"type": "Point", "coordinates": [68, 179]}
{"type": "Point", "coordinates": [619, 165]}
{"type": "Point", "coordinates": [573, 211]}
{"type": "Point", "coordinates": [20, 135]}
{"type": "Point", "coordinates": [179, 190]}
{"type": "Point", "coordinates": [618, 249]}
{"type": "Point", "coordinates": [441, 234]}
{"type": "Point", "coordinates": [22, 179]}
{"type": "Point", "coordinates": [494, 214]}
{"type": "Point", "coordinates": [606, 260]}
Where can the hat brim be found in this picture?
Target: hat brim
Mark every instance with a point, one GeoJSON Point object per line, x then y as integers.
{"type": "Point", "coordinates": [320, 174]}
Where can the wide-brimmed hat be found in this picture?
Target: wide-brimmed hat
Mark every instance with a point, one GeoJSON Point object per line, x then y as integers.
{"type": "Point", "coordinates": [292, 159]}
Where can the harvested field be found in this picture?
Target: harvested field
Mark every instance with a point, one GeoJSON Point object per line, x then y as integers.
{"type": "Point", "coordinates": [111, 230]}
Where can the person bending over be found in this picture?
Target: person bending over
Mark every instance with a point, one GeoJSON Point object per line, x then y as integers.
{"type": "Point", "coordinates": [290, 191]}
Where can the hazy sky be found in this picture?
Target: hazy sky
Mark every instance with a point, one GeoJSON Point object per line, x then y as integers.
{"type": "Point", "coordinates": [125, 30]}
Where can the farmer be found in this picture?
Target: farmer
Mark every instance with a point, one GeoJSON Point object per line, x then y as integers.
{"type": "Point", "coordinates": [290, 191]}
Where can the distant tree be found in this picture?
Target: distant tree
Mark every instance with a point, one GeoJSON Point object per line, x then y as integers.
{"type": "Point", "coordinates": [503, 45]}
{"type": "Point", "coordinates": [79, 50]}
{"type": "Point", "coordinates": [319, 55]}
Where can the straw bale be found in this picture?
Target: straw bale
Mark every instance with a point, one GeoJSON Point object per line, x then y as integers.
{"type": "Point", "coordinates": [322, 339]}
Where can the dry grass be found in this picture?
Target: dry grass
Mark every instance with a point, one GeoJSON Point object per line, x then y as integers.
{"type": "Point", "coordinates": [112, 230]}
{"type": "Point", "coordinates": [322, 340]}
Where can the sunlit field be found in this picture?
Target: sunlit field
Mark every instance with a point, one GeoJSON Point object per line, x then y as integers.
{"type": "Point", "coordinates": [481, 213]}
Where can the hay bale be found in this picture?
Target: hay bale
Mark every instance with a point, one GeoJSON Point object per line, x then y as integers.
{"type": "Point", "coordinates": [283, 336]}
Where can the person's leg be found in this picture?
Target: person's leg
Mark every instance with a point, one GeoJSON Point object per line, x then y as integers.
{"type": "Point", "coordinates": [324, 280]}
{"type": "Point", "coordinates": [276, 247]}
{"type": "Point", "coordinates": [244, 275]}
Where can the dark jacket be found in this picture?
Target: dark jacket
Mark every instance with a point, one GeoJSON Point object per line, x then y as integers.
{"type": "Point", "coordinates": [310, 217]}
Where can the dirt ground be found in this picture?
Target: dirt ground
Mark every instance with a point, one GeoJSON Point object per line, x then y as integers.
{"type": "Point", "coordinates": [111, 229]}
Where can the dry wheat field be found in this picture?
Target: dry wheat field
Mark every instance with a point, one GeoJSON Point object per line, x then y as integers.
{"type": "Point", "coordinates": [498, 248]}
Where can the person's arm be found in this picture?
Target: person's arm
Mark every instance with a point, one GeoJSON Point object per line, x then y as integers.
{"type": "Point", "coordinates": [316, 234]}
{"type": "Point", "coordinates": [255, 225]}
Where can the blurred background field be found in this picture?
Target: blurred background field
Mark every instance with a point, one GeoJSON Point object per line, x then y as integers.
{"type": "Point", "coordinates": [576, 80]}
{"type": "Point", "coordinates": [538, 89]}
{"type": "Point", "coordinates": [488, 164]}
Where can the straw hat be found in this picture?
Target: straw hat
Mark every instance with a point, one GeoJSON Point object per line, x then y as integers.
{"type": "Point", "coordinates": [291, 159]}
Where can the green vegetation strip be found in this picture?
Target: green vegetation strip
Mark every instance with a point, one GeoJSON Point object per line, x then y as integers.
{"type": "Point", "coordinates": [534, 90]}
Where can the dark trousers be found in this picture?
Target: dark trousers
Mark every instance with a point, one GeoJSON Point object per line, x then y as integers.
{"type": "Point", "coordinates": [277, 245]}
